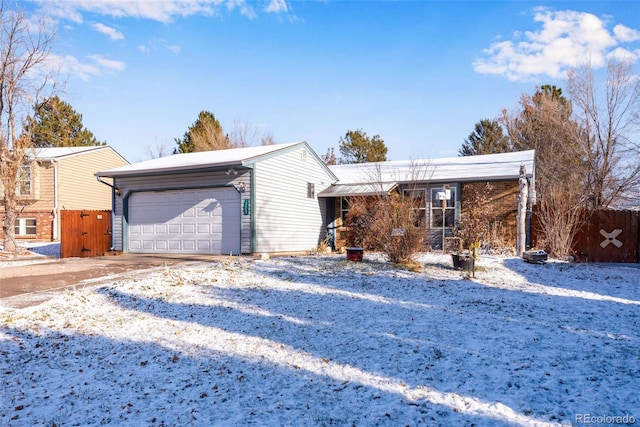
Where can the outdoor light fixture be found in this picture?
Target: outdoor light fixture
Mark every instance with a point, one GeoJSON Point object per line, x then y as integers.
{"type": "Point", "coordinates": [240, 187]}
{"type": "Point", "coordinates": [232, 171]}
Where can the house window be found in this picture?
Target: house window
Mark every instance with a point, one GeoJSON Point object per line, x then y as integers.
{"type": "Point", "coordinates": [420, 204]}
{"type": "Point", "coordinates": [25, 227]}
{"type": "Point", "coordinates": [311, 190]}
{"type": "Point", "coordinates": [437, 208]}
{"type": "Point", "coordinates": [344, 208]}
{"type": "Point", "coordinates": [24, 181]}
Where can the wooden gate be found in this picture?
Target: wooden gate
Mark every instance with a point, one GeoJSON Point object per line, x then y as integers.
{"type": "Point", "coordinates": [84, 233]}
{"type": "Point", "coordinates": [606, 236]}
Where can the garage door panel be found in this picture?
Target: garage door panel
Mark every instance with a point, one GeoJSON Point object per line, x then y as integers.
{"type": "Point", "coordinates": [188, 221]}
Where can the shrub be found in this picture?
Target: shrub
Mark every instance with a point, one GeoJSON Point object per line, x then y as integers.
{"type": "Point", "coordinates": [389, 224]}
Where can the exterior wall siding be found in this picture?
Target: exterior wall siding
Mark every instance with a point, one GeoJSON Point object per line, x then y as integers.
{"type": "Point", "coordinates": [78, 187]}
{"type": "Point", "coordinates": [286, 220]}
{"type": "Point", "coordinates": [129, 185]}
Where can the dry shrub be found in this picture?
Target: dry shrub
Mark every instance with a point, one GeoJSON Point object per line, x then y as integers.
{"type": "Point", "coordinates": [473, 227]}
{"type": "Point", "coordinates": [389, 224]}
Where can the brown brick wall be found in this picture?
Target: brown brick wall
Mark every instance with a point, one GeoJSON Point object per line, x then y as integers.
{"type": "Point", "coordinates": [504, 201]}
{"type": "Point", "coordinates": [44, 225]}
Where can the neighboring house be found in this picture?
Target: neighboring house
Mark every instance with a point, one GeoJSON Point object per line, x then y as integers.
{"type": "Point", "coordinates": [427, 181]}
{"type": "Point", "coordinates": [61, 178]}
{"type": "Point", "coordinates": [244, 200]}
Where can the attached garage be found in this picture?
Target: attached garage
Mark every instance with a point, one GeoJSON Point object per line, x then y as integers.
{"type": "Point", "coordinates": [198, 221]}
{"type": "Point", "coordinates": [227, 202]}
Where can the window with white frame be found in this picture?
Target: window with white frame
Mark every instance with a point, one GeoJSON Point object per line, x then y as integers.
{"type": "Point", "coordinates": [24, 181]}
{"type": "Point", "coordinates": [419, 196]}
{"type": "Point", "coordinates": [25, 227]}
{"type": "Point", "coordinates": [344, 208]}
{"type": "Point", "coordinates": [440, 207]}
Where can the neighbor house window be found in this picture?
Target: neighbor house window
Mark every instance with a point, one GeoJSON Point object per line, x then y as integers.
{"type": "Point", "coordinates": [24, 181]}
{"type": "Point", "coordinates": [25, 227]}
{"type": "Point", "coordinates": [311, 190]}
{"type": "Point", "coordinates": [449, 208]}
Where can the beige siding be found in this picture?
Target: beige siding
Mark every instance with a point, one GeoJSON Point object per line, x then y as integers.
{"type": "Point", "coordinates": [128, 186]}
{"type": "Point", "coordinates": [286, 219]}
{"type": "Point", "coordinates": [78, 186]}
{"type": "Point", "coordinates": [42, 182]}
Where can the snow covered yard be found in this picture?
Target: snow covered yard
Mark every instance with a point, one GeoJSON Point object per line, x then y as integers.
{"type": "Point", "coordinates": [320, 341]}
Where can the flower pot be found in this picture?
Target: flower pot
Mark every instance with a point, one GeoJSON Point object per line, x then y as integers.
{"type": "Point", "coordinates": [355, 254]}
{"type": "Point", "coordinates": [462, 262]}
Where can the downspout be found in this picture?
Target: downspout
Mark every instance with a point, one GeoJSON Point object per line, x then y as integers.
{"type": "Point", "coordinates": [56, 203]}
{"type": "Point", "coordinates": [113, 205]}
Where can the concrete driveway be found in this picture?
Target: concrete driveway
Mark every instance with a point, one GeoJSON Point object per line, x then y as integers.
{"type": "Point", "coordinates": [27, 284]}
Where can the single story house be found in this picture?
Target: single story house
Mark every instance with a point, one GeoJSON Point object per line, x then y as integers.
{"type": "Point", "coordinates": [431, 180]}
{"type": "Point", "coordinates": [61, 178]}
{"type": "Point", "coordinates": [283, 198]}
{"type": "Point", "coordinates": [238, 201]}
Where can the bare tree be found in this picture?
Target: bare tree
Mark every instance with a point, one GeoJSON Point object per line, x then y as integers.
{"type": "Point", "coordinates": [610, 130]}
{"type": "Point", "coordinates": [545, 124]}
{"type": "Point", "coordinates": [24, 51]}
{"type": "Point", "coordinates": [157, 150]}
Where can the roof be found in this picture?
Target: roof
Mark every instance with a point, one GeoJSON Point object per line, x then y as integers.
{"type": "Point", "coordinates": [465, 168]}
{"type": "Point", "coordinates": [51, 153]}
{"type": "Point", "coordinates": [204, 160]}
{"type": "Point", "coordinates": [487, 167]}
{"type": "Point", "coordinates": [358, 190]}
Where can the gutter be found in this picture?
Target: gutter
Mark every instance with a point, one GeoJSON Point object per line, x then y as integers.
{"type": "Point", "coordinates": [56, 197]}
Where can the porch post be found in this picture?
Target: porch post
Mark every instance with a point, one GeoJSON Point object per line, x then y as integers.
{"type": "Point", "coordinates": [521, 219]}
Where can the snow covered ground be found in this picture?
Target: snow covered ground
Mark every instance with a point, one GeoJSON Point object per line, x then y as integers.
{"type": "Point", "coordinates": [319, 341]}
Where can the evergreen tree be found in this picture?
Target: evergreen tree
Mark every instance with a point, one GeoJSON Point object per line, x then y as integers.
{"type": "Point", "coordinates": [56, 124]}
{"type": "Point", "coordinates": [357, 147]}
{"type": "Point", "coordinates": [205, 134]}
{"type": "Point", "coordinates": [487, 138]}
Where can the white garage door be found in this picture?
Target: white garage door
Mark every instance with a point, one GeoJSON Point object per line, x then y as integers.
{"type": "Point", "coordinates": [203, 221]}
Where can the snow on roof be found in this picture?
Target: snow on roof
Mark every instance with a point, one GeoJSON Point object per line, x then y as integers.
{"type": "Point", "coordinates": [48, 153]}
{"type": "Point", "coordinates": [466, 168]}
{"type": "Point", "coordinates": [195, 161]}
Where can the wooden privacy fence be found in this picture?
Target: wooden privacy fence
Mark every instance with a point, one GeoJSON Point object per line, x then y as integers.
{"type": "Point", "coordinates": [606, 236]}
{"type": "Point", "coordinates": [84, 233]}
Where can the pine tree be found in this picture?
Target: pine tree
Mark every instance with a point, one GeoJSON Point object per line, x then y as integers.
{"type": "Point", "coordinates": [56, 124]}
{"type": "Point", "coordinates": [357, 147]}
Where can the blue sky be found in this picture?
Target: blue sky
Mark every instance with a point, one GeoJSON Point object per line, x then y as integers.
{"type": "Point", "coordinates": [420, 74]}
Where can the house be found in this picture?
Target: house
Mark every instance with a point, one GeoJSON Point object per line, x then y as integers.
{"type": "Point", "coordinates": [61, 178]}
{"type": "Point", "coordinates": [245, 200]}
{"type": "Point", "coordinates": [440, 186]}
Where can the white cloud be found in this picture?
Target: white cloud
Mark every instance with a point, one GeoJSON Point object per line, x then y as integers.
{"type": "Point", "coordinates": [71, 65]}
{"type": "Point", "coordinates": [108, 64]}
{"type": "Point", "coordinates": [277, 6]}
{"type": "Point", "coordinates": [566, 39]}
{"type": "Point", "coordinates": [112, 33]}
{"type": "Point", "coordinates": [156, 44]}
{"type": "Point", "coordinates": [626, 34]}
{"type": "Point", "coordinates": [83, 70]}
{"type": "Point", "coordinates": [157, 10]}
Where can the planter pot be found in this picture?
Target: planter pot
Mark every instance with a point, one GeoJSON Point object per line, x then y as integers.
{"type": "Point", "coordinates": [462, 262]}
{"type": "Point", "coordinates": [355, 254]}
